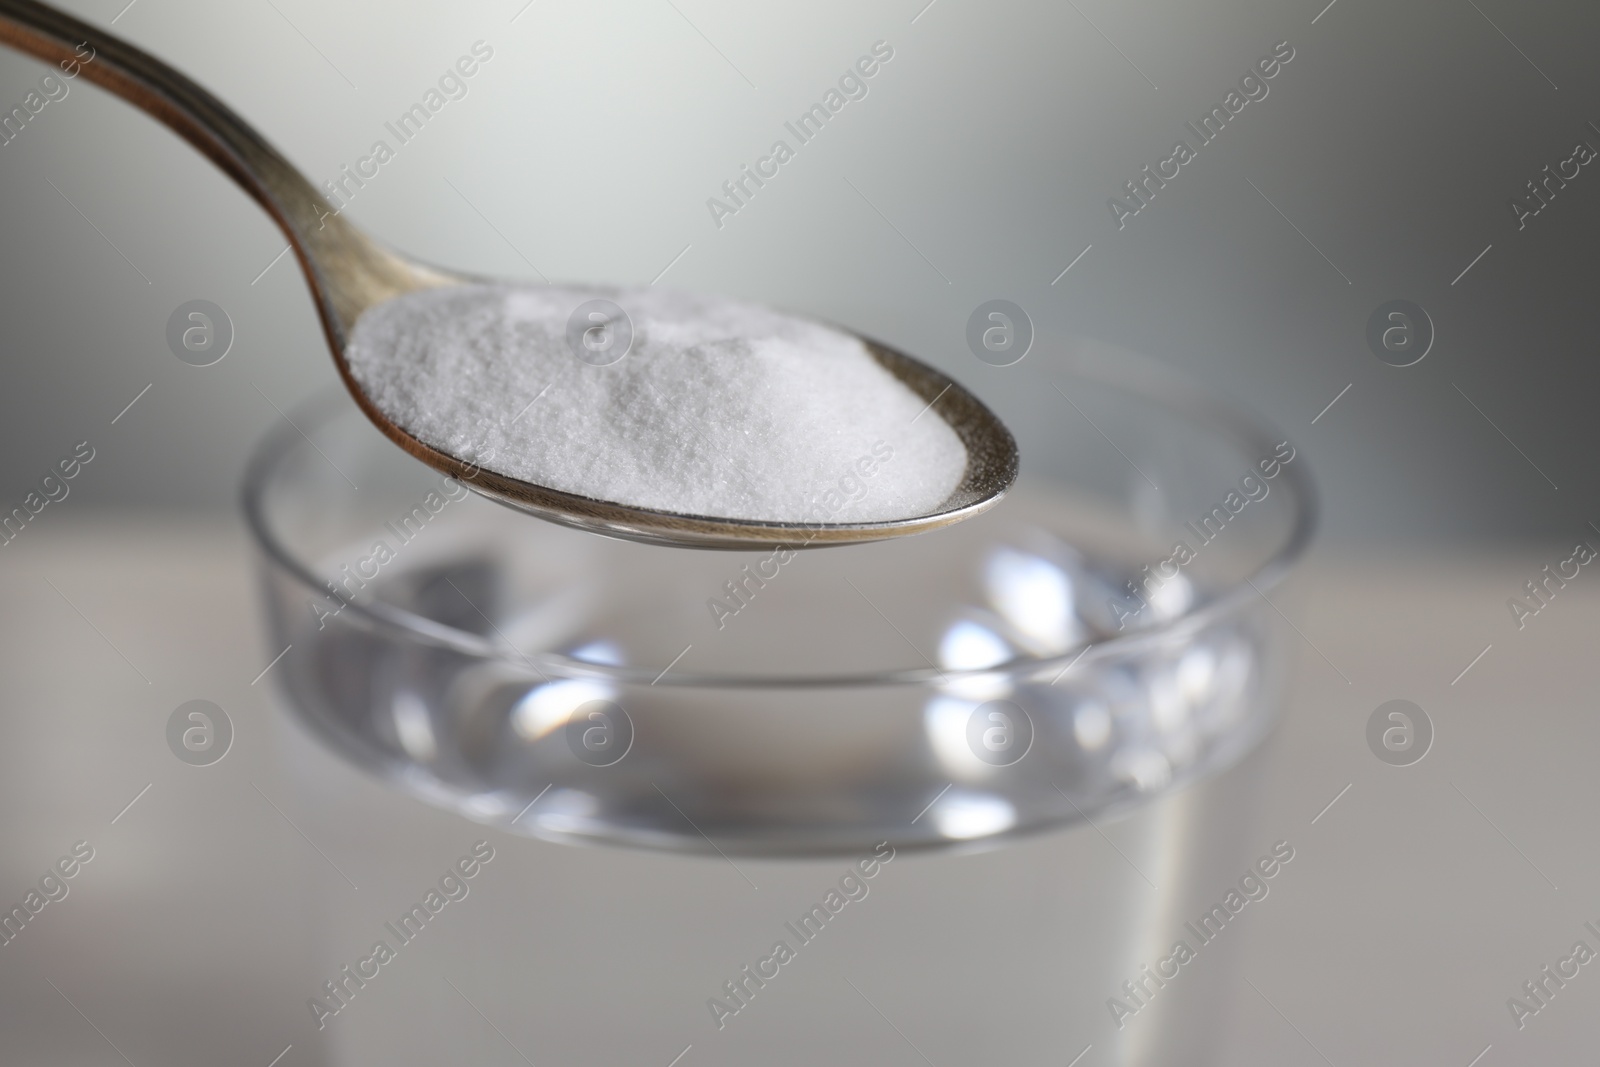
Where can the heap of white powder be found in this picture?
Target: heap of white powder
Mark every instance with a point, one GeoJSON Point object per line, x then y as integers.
{"type": "Point", "coordinates": [719, 408]}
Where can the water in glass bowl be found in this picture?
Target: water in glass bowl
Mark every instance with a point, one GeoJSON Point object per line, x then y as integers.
{"type": "Point", "coordinates": [1045, 662]}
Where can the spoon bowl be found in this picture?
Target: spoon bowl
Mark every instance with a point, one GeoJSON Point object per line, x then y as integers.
{"type": "Point", "coordinates": [350, 273]}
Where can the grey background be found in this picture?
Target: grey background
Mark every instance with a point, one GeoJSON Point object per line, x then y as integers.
{"type": "Point", "coordinates": [978, 166]}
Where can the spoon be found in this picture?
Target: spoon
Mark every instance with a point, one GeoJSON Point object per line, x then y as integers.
{"type": "Point", "coordinates": [350, 273]}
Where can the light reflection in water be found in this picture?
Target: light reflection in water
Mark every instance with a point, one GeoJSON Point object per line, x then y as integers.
{"type": "Point", "coordinates": [602, 652]}
{"type": "Point", "coordinates": [1091, 725]}
{"type": "Point", "coordinates": [413, 726]}
{"type": "Point", "coordinates": [968, 645]}
{"type": "Point", "coordinates": [1036, 597]}
{"type": "Point", "coordinates": [961, 815]}
{"type": "Point", "coordinates": [547, 707]}
{"type": "Point", "coordinates": [1141, 726]}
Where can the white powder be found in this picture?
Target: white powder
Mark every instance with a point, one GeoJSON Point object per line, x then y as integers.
{"type": "Point", "coordinates": [719, 408]}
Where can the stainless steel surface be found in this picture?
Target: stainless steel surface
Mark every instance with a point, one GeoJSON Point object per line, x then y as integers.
{"type": "Point", "coordinates": [349, 272]}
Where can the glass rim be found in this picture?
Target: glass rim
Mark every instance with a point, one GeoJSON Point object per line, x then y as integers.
{"type": "Point", "coordinates": [1138, 376]}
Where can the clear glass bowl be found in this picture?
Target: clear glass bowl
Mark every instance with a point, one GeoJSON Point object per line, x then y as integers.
{"type": "Point", "coordinates": [991, 679]}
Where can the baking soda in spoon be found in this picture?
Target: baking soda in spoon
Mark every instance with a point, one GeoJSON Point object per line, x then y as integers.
{"type": "Point", "coordinates": [718, 408]}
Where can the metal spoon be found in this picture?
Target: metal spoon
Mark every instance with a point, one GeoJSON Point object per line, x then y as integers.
{"type": "Point", "coordinates": [349, 273]}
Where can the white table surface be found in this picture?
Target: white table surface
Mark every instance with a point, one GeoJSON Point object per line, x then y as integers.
{"type": "Point", "coordinates": [1415, 907]}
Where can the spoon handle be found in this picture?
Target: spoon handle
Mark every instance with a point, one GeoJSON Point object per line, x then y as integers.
{"type": "Point", "coordinates": [348, 272]}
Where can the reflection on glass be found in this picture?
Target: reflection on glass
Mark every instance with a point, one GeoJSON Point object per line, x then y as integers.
{"type": "Point", "coordinates": [962, 816]}
{"type": "Point", "coordinates": [548, 707]}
